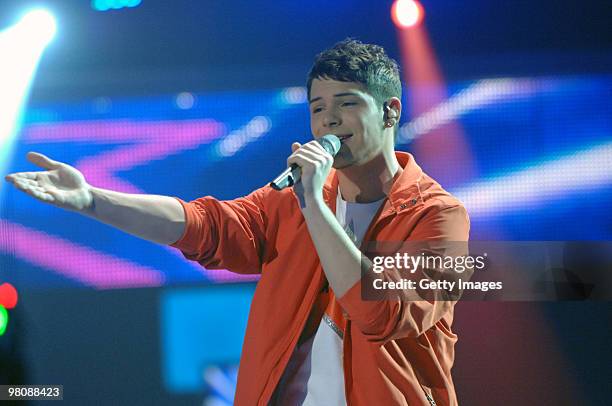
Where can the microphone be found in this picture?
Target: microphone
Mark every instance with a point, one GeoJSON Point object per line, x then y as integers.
{"type": "Point", "coordinates": [292, 175]}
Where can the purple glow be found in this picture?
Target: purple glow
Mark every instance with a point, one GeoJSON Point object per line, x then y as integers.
{"type": "Point", "coordinates": [150, 140]}
{"type": "Point", "coordinates": [76, 262]}
{"type": "Point", "coordinates": [106, 131]}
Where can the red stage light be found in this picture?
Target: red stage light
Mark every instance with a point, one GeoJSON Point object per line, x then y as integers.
{"type": "Point", "coordinates": [8, 296]}
{"type": "Point", "coordinates": [407, 13]}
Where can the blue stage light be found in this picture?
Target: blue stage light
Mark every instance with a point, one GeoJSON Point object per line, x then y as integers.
{"type": "Point", "coordinates": [105, 5]}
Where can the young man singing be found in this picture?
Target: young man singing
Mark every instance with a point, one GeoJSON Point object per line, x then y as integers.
{"type": "Point", "coordinates": [311, 339]}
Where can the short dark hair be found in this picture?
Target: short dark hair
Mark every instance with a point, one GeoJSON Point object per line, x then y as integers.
{"type": "Point", "coordinates": [351, 60]}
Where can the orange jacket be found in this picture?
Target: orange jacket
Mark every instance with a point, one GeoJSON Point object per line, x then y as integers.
{"type": "Point", "coordinates": [395, 353]}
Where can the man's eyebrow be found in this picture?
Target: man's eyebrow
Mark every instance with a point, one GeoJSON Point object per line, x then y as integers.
{"type": "Point", "coordinates": [336, 95]}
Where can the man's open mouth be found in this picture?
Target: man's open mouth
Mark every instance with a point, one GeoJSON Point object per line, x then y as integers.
{"type": "Point", "coordinates": [344, 137]}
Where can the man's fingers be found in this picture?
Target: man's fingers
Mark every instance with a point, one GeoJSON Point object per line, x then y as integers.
{"type": "Point", "coordinates": [316, 149]}
{"type": "Point", "coordinates": [310, 146]}
{"type": "Point", "coordinates": [43, 161]}
{"type": "Point", "coordinates": [28, 182]}
{"type": "Point", "coordinates": [23, 184]}
{"type": "Point", "coordinates": [34, 190]}
{"type": "Point", "coordinates": [12, 177]}
{"type": "Point", "coordinates": [320, 148]}
{"type": "Point", "coordinates": [302, 159]}
{"type": "Point", "coordinates": [310, 155]}
{"type": "Point", "coordinates": [315, 146]}
{"type": "Point", "coordinates": [312, 151]}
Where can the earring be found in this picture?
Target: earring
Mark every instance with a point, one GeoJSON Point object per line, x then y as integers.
{"type": "Point", "coordinates": [389, 123]}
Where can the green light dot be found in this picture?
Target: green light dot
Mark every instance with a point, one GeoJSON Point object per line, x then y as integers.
{"type": "Point", "coordinates": [3, 320]}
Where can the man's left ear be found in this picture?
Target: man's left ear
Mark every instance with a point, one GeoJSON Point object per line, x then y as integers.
{"type": "Point", "coordinates": [391, 112]}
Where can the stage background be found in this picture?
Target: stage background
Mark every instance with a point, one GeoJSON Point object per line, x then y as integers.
{"type": "Point", "coordinates": [120, 320]}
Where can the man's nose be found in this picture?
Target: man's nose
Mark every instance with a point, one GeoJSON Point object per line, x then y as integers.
{"type": "Point", "coordinates": [331, 119]}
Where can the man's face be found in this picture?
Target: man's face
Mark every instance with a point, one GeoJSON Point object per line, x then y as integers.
{"type": "Point", "coordinates": [347, 110]}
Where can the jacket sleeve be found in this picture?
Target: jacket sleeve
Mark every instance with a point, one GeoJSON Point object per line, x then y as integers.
{"type": "Point", "coordinates": [409, 314]}
{"type": "Point", "coordinates": [224, 234]}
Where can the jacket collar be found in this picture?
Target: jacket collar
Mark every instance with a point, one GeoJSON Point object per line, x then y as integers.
{"type": "Point", "coordinates": [404, 192]}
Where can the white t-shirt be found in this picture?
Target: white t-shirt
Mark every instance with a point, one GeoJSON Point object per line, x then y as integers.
{"type": "Point", "coordinates": [314, 375]}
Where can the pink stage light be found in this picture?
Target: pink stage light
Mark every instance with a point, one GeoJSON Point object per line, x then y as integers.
{"type": "Point", "coordinates": [8, 296]}
{"type": "Point", "coordinates": [407, 13]}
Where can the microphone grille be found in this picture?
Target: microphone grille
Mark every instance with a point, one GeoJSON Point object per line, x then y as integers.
{"type": "Point", "coordinates": [330, 143]}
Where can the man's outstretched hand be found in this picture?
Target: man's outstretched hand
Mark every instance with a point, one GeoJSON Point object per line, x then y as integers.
{"type": "Point", "coordinates": [60, 184]}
